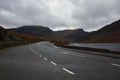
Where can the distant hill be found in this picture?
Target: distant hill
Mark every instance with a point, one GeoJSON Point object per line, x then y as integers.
{"type": "Point", "coordinates": [107, 34]}
{"type": "Point", "coordinates": [46, 33]}
{"type": "Point", "coordinates": [38, 31]}
{"type": "Point", "coordinates": [69, 35]}
{"type": "Point", "coordinates": [11, 36]}
{"type": "Point", "coordinates": [6, 37]}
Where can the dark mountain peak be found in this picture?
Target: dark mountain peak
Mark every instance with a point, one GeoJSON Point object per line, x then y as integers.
{"type": "Point", "coordinates": [1, 28]}
{"type": "Point", "coordinates": [116, 23]}
{"type": "Point", "coordinates": [76, 34]}
{"type": "Point", "coordinates": [39, 31]}
{"type": "Point", "coordinates": [115, 26]}
{"type": "Point", "coordinates": [79, 30]}
{"type": "Point", "coordinates": [109, 33]}
{"type": "Point", "coordinates": [32, 27]}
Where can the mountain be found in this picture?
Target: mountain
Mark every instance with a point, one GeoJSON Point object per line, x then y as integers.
{"type": "Point", "coordinates": [5, 36]}
{"type": "Point", "coordinates": [11, 36]}
{"type": "Point", "coordinates": [46, 33]}
{"type": "Point", "coordinates": [108, 34]}
{"type": "Point", "coordinates": [38, 31]}
{"type": "Point", "coordinates": [69, 35]}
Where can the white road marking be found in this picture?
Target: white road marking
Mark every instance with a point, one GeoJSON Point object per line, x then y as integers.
{"type": "Point", "coordinates": [53, 63]}
{"type": "Point", "coordinates": [37, 53]}
{"type": "Point", "coordinates": [37, 44]}
{"type": "Point", "coordinates": [68, 71]}
{"type": "Point", "coordinates": [72, 54]}
{"type": "Point", "coordinates": [45, 58]}
{"type": "Point", "coordinates": [118, 65]}
{"type": "Point", "coordinates": [56, 47]}
{"type": "Point", "coordinates": [64, 52]}
{"type": "Point", "coordinates": [40, 55]}
{"type": "Point", "coordinates": [33, 50]}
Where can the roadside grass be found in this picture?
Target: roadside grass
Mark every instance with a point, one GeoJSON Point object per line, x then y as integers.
{"type": "Point", "coordinates": [9, 45]}
{"type": "Point", "coordinates": [4, 46]}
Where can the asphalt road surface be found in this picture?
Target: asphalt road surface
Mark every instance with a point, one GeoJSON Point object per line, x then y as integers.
{"type": "Point", "coordinates": [44, 61]}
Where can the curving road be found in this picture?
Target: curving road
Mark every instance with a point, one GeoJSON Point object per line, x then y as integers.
{"type": "Point", "coordinates": [44, 61]}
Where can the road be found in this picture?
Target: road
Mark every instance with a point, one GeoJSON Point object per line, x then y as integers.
{"type": "Point", "coordinates": [44, 61]}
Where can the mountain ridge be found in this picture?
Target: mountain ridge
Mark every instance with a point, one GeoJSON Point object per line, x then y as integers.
{"type": "Point", "coordinates": [12, 36]}
{"type": "Point", "coordinates": [45, 32]}
{"type": "Point", "coordinates": [109, 33]}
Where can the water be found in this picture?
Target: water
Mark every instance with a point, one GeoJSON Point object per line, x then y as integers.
{"type": "Point", "coordinates": [110, 46]}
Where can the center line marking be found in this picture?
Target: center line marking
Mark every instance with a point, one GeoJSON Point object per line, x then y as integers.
{"type": "Point", "coordinates": [55, 47]}
{"type": "Point", "coordinates": [45, 58]}
{"type": "Point", "coordinates": [40, 55]}
{"type": "Point", "coordinates": [53, 63]}
{"type": "Point", "coordinates": [68, 71]}
{"type": "Point", "coordinates": [64, 52]}
{"type": "Point", "coordinates": [38, 44]}
{"type": "Point", "coordinates": [33, 50]}
{"type": "Point", "coordinates": [118, 65]}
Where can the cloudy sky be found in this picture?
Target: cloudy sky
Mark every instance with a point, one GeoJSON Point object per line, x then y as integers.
{"type": "Point", "coordinates": [59, 14]}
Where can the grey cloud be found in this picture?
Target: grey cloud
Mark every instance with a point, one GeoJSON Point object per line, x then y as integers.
{"type": "Point", "coordinates": [86, 14]}
{"type": "Point", "coordinates": [94, 14]}
{"type": "Point", "coordinates": [24, 12]}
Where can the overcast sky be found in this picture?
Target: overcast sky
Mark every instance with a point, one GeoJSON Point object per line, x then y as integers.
{"type": "Point", "coordinates": [59, 14]}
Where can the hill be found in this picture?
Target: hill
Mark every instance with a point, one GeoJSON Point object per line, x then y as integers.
{"type": "Point", "coordinates": [11, 36]}
{"type": "Point", "coordinates": [46, 33]}
{"type": "Point", "coordinates": [69, 35]}
{"type": "Point", "coordinates": [38, 31]}
{"type": "Point", "coordinates": [108, 34]}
